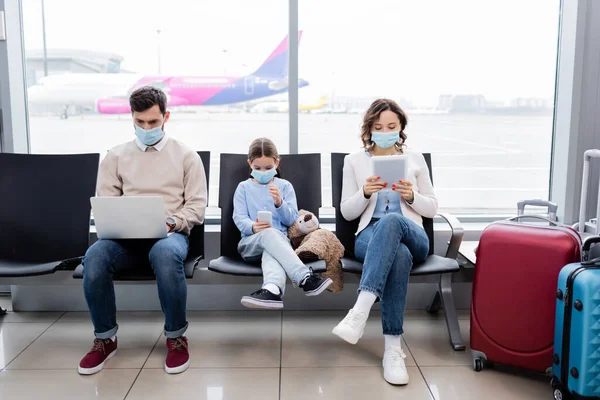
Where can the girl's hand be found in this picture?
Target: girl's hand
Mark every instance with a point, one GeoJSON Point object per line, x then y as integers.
{"type": "Point", "coordinates": [373, 185]}
{"type": "Point", "coordinates": [405, 189]}
{"type": "Point", "coordinates": [276, 195]}
{"type": "Point", "coordinates": [260, 226]}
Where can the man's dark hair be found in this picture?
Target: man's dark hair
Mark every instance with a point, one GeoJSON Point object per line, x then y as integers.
{"type": "Point", "coordinates": [147, 97]}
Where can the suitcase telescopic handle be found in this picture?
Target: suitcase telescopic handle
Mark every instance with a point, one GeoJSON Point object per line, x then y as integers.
{"type": "Point", "coordinates": [517, 218]}
{"type": "Point", "coordinates": [552, 207]}
{"type": "Point", "coordinates": [587, 157]}
{"type": "Point", "coordinates": [595, 261]}
{"type": "Point", "coordinates": [587, 243]}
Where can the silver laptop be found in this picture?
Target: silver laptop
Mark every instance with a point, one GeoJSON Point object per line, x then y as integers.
{"type": "Point", "coordinates": [129, 217]}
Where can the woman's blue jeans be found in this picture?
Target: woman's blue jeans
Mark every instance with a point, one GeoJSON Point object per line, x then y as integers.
{"type": "Point", "coordinates": [388, 247]}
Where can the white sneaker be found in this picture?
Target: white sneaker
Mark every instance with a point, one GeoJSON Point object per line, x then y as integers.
{"type": "Point", "coordinates": [352, 327]}
{"type": "Point", "coordinates": [394, 369]}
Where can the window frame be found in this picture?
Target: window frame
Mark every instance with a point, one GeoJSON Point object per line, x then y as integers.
{"type": "Point", "coordinates": [14, 121]}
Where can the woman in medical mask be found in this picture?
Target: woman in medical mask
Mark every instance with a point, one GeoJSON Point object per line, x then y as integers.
{"type": "Point", "coordinates": [390, 236]}
{"type": "Point", "coordinates": [267, 240]}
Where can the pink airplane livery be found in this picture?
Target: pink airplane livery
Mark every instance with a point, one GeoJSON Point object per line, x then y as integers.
{"type": "Point", "coordinates": [269, 79]}
{"type": "Point", "coordinates": [108, 93]}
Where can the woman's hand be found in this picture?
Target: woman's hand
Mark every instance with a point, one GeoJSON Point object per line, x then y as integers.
{"type": "Point", "coordinates": [276, 195]}
{"type": "Point", "coordinates": [260, 226]}
{"type": "Point", "coordinates": [405, 189]}
{"type": "Point", "coordinates": [373, 185]}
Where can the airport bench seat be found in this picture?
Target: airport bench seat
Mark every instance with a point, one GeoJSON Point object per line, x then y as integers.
{"type": "Point", "coordinates": [144, 272]}
{"type": "Point", "coordinates": [45, 213]}
{"type": "Point", "coordinates": [196, 249]}
{"type": "Point", "coordinates": [22, 269]}
{"type": "Point", "coordinates": [302, 170]}
{"type": "Point", "coordinates": [235, 266]}
{"type": "Point", "coordinates": [434, 264]}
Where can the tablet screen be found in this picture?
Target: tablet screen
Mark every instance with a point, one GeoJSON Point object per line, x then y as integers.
{"type": "Point", "coordinates": [391, 169]}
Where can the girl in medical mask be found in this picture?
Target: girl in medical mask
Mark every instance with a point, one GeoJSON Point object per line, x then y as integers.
{"type": "Point", "coordinates": [268, 242]}
{"type": "Point", "coordinates": [390, 235]}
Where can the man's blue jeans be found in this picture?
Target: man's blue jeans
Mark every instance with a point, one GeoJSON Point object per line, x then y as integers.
{"type": "Point", "coordinates": [388, 247]}
{"type": "Point", "coordinates": [107, 257]}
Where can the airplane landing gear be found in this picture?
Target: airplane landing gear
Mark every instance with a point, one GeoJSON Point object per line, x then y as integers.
{"type": "Point", "coordinates": [65, 113]}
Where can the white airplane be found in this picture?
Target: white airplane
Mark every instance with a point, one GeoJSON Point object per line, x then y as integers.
{"type": "Point", "coordinates": [107, 93]}
{"type": "Point", "coordinates": [79, 90]}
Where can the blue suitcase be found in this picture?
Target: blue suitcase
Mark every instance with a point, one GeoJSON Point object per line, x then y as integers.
{"type": "Point", "coordinates": [576, 359]}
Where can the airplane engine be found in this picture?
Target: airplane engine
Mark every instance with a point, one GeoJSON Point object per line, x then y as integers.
{"type": "Point", "coordinates": [278, 85]}
{"type": "Point", "coordinates": [113, 106]}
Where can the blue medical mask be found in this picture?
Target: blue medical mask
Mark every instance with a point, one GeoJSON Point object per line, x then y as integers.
{"type": "Point", "coordinates": [149, 137]}
{"type": "Point", "coordinates": [385, 139]}
{"type": "Point", "coordinates": [264, 177]}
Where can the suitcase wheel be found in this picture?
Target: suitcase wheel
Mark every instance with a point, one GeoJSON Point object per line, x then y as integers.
{"type": "Point", "coordinates": [557, 390]}
{"type": "Point", "coordinates": [477, 364]}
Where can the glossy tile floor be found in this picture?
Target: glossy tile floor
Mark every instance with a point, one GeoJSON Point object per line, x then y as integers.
{"type": "Point", "coordinates": [244, 355]}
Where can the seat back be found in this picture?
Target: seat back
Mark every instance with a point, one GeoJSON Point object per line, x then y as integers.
{"type": "Point", "coordinates": [302, 170]}
{"type": "Point", "coordinates": [345, 230]}
{"type": "Point", "coordinates": [197, 234]}
{"type": "Point", "coordinates": [45, 205]}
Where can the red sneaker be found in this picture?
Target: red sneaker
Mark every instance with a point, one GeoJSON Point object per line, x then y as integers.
{"type": "Point", "coordinates": [94, 360]}
{"type": "Point", "coordinates": [178, 357]}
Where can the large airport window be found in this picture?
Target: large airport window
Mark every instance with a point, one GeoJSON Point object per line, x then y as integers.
{"type": "Point", "coordinates": [218, 61]}
{"type": "Point", "coordinates": [476, 78]}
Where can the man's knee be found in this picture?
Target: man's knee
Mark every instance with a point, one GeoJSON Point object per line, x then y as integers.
{"type": "Point", "coordinates": [166, 256]}
{"type": "Point", "coordinates": [97, 261]}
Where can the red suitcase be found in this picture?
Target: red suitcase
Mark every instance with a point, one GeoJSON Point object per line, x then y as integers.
{"type": "Point", "coordinates": [514, 291]}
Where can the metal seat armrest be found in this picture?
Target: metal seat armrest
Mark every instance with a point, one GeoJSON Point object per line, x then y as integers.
{"type": "Point", "coordinates": [456, 238]}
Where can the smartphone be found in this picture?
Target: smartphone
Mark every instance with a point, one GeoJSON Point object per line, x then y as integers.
{"type": "Point", "coordinates": [265, 216]}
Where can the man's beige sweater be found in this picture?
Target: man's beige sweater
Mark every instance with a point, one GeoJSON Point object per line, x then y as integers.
{"type": "Point", "coordinates": [169, 169]}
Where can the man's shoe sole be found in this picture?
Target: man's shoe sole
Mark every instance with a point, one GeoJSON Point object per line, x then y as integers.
{"type": "Point", "coordinates": [177, 370]}
{"type": "Point", "coordinates": [250, 302]}
{"type": "Point", "coordinates": [321, 288]}
{"type": "Point", "coordinates": [96, 369]}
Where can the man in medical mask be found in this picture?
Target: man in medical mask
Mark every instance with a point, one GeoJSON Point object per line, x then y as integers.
{"type": "Point", "coordinates": [152, 164]}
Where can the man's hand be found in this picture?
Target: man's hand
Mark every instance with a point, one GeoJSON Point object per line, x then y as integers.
{"type": "Point", "coordinates": [260, 226]}
{"type": "Point", "coordinates": [276, 195]}
{"type": "Point", "coordinates": [170, 225]}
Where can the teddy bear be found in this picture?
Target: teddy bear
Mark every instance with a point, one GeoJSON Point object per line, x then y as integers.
{"type": "Point", "coordinates": [312, 243]}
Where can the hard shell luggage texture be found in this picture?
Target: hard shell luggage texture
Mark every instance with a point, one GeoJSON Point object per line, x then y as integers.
{"type": "Point", "coordinates": [576, 359]}
{"type": "Point", "coordinates": [513, 303]}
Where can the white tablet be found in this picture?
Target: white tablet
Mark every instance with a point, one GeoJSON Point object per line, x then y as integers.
{"type": "Point", "coordinates": [390, 169]}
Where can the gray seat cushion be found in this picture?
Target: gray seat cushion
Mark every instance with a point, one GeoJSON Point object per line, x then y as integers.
{"type": "Point", "coordinates": [234, 266]}
{"type": "Point", "coordinates": [142, 272]}
{"type": "Point", "coordinates": [20, 269]}
{"type": "Point", "coordinates": [432, 265]}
